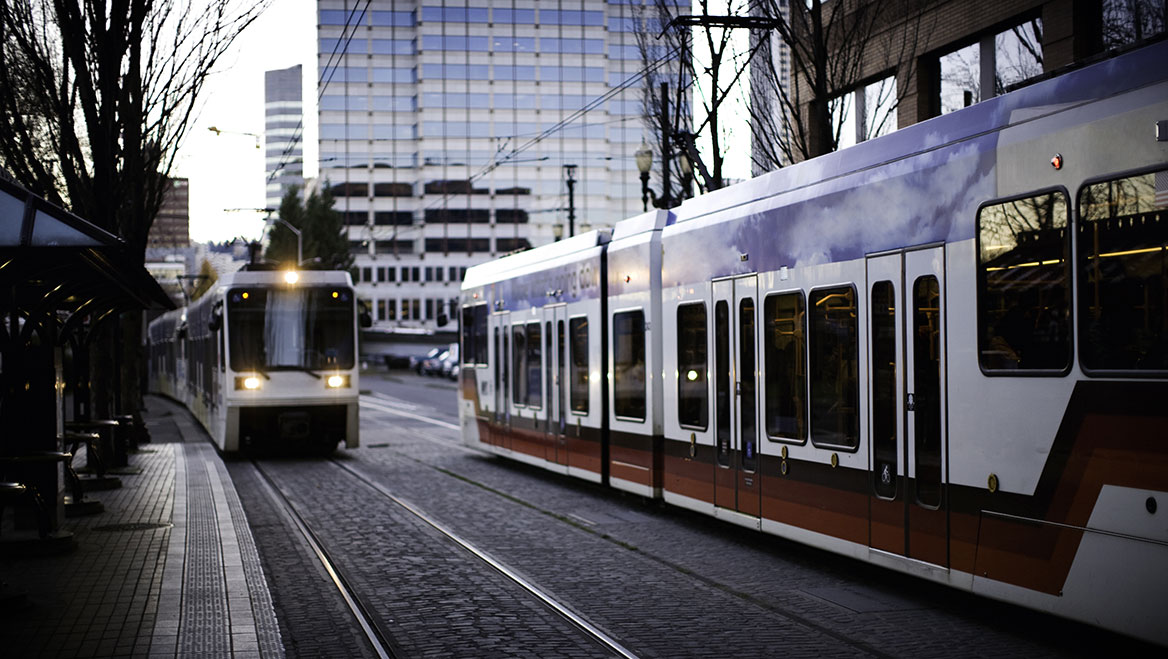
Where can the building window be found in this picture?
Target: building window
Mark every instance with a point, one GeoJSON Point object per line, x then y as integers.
{"type": "Point", "coordinates": [1002, 60]}
{"type": "Point", "coordinates": [834, 348]}
{"type": "Point", "coordinates": [1024, 285]}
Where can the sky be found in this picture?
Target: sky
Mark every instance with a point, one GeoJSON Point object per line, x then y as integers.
{"type": "Point", "coordinates": [227, 170]}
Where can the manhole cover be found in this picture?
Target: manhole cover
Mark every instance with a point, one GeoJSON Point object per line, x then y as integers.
{"type": "Point", "coordinates": [133, 526]}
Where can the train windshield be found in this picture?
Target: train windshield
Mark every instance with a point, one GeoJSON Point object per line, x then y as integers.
{"type": "Point", "coordinates": [290, 328]}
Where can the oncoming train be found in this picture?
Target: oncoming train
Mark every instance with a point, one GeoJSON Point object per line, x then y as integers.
{"type": "Point", "coordinates": [943, 351]}
{"type": "Point", "coordinates": [267, 360]}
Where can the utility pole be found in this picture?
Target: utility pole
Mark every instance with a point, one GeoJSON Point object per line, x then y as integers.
{"type": "Point", "coordinates": [666, 152]}
{"type": "Point", "coordinates": [570, 171]}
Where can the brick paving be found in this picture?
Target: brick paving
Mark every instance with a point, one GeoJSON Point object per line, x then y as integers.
{"type": "Point", "coordinates": [168, 569]}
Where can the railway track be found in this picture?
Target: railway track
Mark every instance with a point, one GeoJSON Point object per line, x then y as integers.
{"type": "Point", "coordinates": [378, 626]}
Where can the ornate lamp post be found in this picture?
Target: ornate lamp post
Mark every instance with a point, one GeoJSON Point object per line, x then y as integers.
{"type": "Point", "coordinates": [644, 158]}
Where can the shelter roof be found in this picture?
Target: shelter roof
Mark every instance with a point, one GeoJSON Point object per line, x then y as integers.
{"type": "Point", "coordinates": [53, 261]}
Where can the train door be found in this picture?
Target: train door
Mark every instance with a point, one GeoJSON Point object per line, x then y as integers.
{"type": "Point", "coordinates": [555, 339]}
{"type": "Point", "coordinates": [736, 482]}
{"type": "Point", "coordinates": [502, 377]}
{"type": "Point", "coordinates": [906, 406]}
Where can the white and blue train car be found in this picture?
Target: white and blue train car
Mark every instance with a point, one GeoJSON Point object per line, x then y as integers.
{"type": "Point", "coordinates": [531, 386]}
{"type": "Point", "coordinates": [266, 360]}
{"type": "Point", "coordinates": [943, 351]}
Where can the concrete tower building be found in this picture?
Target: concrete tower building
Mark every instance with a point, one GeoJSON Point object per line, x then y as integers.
{"type": "Point", "coordinates": [283, 129]}
{"type": "Point", "coordinates": [446, 129]}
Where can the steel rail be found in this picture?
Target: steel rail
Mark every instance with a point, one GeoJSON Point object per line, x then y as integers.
{"type": "Point", "coordinates": [588, 628]}
{"type": "Point", "coordinates": [381, 642]}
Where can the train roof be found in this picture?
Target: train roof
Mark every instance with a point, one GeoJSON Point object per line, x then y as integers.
{"type": "Point", "coordinates": [1122, 73]}
{"type": "Point", "coordinates": [502, 268]}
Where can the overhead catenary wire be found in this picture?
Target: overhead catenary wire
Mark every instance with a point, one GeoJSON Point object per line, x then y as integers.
{"type": "Point", "coordinates": [331, 70]}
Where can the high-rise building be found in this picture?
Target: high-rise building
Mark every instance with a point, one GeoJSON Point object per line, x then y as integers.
{"type": "Point", "coordinates": [447, 128]}
{"type": "Point", "coordinates": [171, 228]}
{"type": "Point", "coordinates": [283, 128]}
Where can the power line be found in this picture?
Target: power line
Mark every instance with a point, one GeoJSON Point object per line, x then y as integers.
{"type": "Point", "coordinates": [298, 131]}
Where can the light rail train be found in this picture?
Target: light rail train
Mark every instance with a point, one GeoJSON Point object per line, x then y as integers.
{"type": "Point", "coordinates": [943, 351]}
{"type": "Point", "coordinates": [266, 361]}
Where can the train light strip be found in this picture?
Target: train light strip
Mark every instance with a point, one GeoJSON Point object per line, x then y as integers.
{"type": "Point", "coordinates": [556, 606]}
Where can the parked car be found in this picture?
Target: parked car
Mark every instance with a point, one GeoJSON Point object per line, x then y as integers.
{"type": "Point", "coordinates": [433, 365]}
{"type": "Point", "coordinates": [417, 361]}
{"type": "Point", "coordinates": [450, 362]}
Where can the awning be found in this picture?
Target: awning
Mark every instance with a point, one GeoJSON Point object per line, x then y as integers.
{"type": "Point", "coordinates": [52, 261]}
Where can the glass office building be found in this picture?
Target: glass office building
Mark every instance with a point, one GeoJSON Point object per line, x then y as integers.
{"type": "Point", "coordinates": [446, 126]}
{"type": "Point", "coordinates": [283, 116]}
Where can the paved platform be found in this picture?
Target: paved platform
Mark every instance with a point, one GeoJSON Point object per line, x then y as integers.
{"type": "Point", "coordinates": [169, 569]}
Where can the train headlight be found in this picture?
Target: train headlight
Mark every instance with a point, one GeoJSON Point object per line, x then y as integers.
{"type": "Point", "coordinates": [248, 382]}
{"type": "Point", "coordinates": [337, 381]}
{"type": "Point", "coordinates": [291, 277]}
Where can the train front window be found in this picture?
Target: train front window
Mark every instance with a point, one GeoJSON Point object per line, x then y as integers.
{"type": "Point", "coordinates": [1024, 285]}
{"type": "Point", "coordinates": [1123, 274]}
{"type": "Point", "coordinates": [293, 328]}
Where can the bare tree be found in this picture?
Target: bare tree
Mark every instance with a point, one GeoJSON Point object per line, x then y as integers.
{"type": "Point", "coordinates": [810, 63]}
{"type": "Point", "coordinates": [100, 95]}
{"type": "Point", "coordinates": [97, 96]}
{"type": "Point", "coordinates": [668, 37]}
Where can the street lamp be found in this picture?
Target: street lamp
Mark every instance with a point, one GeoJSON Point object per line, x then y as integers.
{"type": "Point", "coordinates": [686, 165]}
{"type": "Point", "coordinates": [569, 172]}
{"type": "Point", "coordinates": [644, 158]}
{"type": "Point", "coordinates": [219, 131]}
{"type": "Point", "coordinates": [299, 239]}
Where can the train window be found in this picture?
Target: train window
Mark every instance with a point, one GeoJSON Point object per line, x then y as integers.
{"type": "Point", "coordinates": [884, 402]}
{"type": "Point", "coordinates": [534, 384]}
{"type": "Point", "coordinates": [747, 414]}
{"type": "Point", "coordinates": [722, 382]}
{"type": "Point", "coordinates": [578, 377]}
{"type": "Point", "coordinates": [628, 373]}
{"type": "Point", "coordinates": [295, 328]}
{"type": "Point", "coordinates": [474, 335]}
{"type": "Point", "coordinates": [785, 352]}
{"type": "Point", "coordinates": [479, 335]}
{"type": "Point", "coordinates": [1024, 285]}
{"type": "Point", "coordinates": [518, 368]}
{"type": "Point", "coordinates": [834, 351]}
{"type": "Point", "coordinates": [549, 366]}
{"type": "Point", "coordinates": [927, 397]}
{"type": "Point", "coordinates": [467, 328]}
{"type": "Point", "coordinates": [693, 390]}
{"type": "Point", "coordinates": [1123, 274]}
